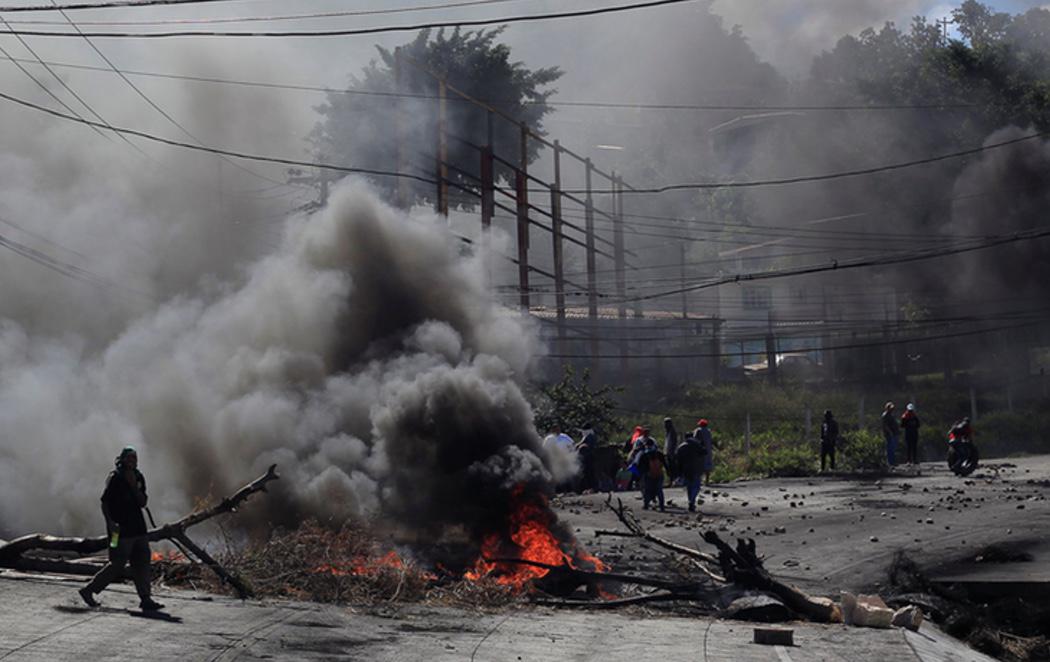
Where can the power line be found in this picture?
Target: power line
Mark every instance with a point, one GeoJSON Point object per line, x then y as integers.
{"type": "Point", "coordinates": [153, 104]}
{"type": "Point", "coordinates": [106, 5]}
{"type": "Point", "coordinates": [359, 31]}
{"type": "Point", "coordinates": [65, 86]}
{"type": "Point", "coordinates": [284, 17]}
{"type": "Point", "coordinates": [881, 343]}
{"type": "Point", "coordinates": [852, 264]}
{"type": "Point", "coordinates": [525, 102]}
{"type": "Point", "coordinates": [216, 150]}
{"type": "Point", "coordinates": [820, 178]}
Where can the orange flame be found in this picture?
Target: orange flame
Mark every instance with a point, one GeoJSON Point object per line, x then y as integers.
{"type": "Point", "coordinates": [530, 539]}
{"type": "Point", "coordinates": [363, 566]}
{"type": "Point", "coordinates": [171, 555]}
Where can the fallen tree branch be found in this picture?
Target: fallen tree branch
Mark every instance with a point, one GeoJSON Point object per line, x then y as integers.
{"type": "Point", "coordinates": [11, 552]}
{"type": "Point", "coordinates": [743, 567]}
{"type": "Point", "coordinates": [635, 529]}
{"type": "Point", "coordinates": [587, 576]}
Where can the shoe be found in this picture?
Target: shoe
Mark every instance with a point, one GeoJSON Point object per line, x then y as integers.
{"type": "Point", "coordinates": [86, 596]}
{"type": "Point", "coordinates": [692, 508]}
{"type": "Point", "coordinates": [150, 605]}
{"type": "Point", "coordinates": [645, 506]}
{"type": "Point", "coordinates": [661, 509]}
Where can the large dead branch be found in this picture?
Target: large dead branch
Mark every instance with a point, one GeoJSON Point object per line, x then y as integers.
{"type": "Point", "coordinates": [11, 553]}
{"type": "Point", "coordinates": [635, 529]}
{"type": "Point", "coordinates": [743, 567]}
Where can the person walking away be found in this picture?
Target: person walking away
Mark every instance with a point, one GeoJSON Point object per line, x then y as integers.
{"type": "Point", "coordinates": [702, 433]}
{"type": "Point", "coordinates": [891, 430]}
{"type": "Point", "coordinates": [122, 502]}
{"type": "Point", "coordinates": [689, 458]}
{"type": "Point", "coordinates": [829, 436]}
{"type": "Point", "coordinates": [652, 464]}
{"type": "Point", "coordinates": [910, 422]}
{"type": "Point", "coordinates": [670, 447]}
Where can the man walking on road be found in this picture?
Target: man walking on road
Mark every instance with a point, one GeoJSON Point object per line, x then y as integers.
{"type": "Point", "coordinates": [690, 461]}
{"type": "Point", "coordinates": [891, 430]}
{"type": "Point", "coordinates": [122, 504]}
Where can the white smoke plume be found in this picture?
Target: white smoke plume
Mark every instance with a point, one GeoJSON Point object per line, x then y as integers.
{"type": "Point", "coordinates": [363, 356]}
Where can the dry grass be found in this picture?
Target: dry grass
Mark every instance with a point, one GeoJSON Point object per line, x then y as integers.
{"type": "Point", "coordinates": [348, 566]}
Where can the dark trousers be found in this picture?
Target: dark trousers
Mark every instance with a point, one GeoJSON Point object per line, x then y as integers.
{"type": "Point", "coordinates": [134, 549]}
{"type": "Point", "coordinates": [652, 489]}
{"type": "Point", "coordinates": [692, 488]}
{"type": "Point", "coordinates": [912, 449]}
{"type": "Point", "coordinates": [827, 451]}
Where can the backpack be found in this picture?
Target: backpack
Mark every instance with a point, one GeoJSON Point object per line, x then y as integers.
{"type": "Point", "coordinates": [653, 464]}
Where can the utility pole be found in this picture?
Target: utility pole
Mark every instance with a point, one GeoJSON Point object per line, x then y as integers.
{"type": "Point", "coordinates": [399, 128]}
{"type": "Point", "coordinates": [685, 296]}
{"type": "Point", "coordinates": [592, 258]}
{"type": "Point", "coordinates": [442, 164]}
{"type": "Point", "coordinates": [558, 246]}
{"type": "Point", "coordinates": [944, 23]}
{"type": "Point", "coordinates": [521, 181]}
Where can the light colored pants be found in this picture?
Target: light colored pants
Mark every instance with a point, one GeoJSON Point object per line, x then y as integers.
{"type": "Point", "coordinates": [134, 550]}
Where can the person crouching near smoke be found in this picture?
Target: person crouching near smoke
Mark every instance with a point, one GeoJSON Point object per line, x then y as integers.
{"type": "Point", "coordinates": [122, 504]}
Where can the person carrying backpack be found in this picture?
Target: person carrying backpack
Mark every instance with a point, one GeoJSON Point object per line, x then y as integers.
{"type": "Point", "coordinates": [652, 464]}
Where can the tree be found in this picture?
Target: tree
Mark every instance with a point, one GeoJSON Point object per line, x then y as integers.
{"type": "Point", "coordinates": [396, 95]}
{"type": "Point", "coordinates": [573, 403]}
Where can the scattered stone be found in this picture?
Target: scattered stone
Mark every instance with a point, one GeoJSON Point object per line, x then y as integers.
{"type": "Point", "coordinates": [873, 539]}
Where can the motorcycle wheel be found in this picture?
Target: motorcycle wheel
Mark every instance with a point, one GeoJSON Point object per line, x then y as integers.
{"type": "Point", "coordinates": [969, 464]}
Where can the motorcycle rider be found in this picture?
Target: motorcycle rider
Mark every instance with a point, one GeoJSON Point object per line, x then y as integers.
{"type": "Point", "coordinates": [962, 455]}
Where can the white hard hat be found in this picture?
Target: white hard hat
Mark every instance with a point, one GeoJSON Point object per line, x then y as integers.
{"type": "Point", "coordinates": [911, 407]}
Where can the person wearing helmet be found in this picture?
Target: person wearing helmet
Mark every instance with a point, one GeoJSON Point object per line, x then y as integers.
{"type": "Point", "coordinates": [910, 424]}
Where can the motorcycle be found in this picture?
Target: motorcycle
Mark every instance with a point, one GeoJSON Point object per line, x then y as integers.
{"type": "Point", "coordinates": [962, 454]}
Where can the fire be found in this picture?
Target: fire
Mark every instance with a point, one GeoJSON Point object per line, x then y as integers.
{"type": "Point", "coordinates": [363, 566]}
{"type": "Point", "coordinates": [171, 555]}
{"type": "Point", "coordinates": [528, 538]}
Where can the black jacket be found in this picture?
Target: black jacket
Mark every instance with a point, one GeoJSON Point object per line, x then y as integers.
{"type": "Point", "coordinates": [690, 459]}
{"type": "Point", "coordinates": [123, 507]}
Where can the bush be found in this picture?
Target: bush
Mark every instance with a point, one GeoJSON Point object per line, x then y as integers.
{"type": "Point", "coordinates": [862, 451]}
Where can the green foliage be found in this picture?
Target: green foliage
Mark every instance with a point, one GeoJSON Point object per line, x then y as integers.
{"type": "Point", "coordinates": [862, 451]}
{"type": "Point", "coordinates": [574, 403]}
{"type": "Point", "coordinates": [362, 130]}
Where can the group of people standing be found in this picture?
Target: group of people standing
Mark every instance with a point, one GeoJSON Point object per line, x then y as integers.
{"type": "Point", "coordinates": [908, 422]}
{"type": "Point", "coordinates": [685, 461]}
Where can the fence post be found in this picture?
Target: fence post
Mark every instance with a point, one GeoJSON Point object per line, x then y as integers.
{"type": "Point", "coordinates": [809, 422]}
{"type": "Point", "coordinates": [747, 433]}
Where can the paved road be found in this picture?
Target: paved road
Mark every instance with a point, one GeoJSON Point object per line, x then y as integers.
{"type": "Point", "coordinates": [826, 545]}
{"type": "Point", "coordinates": [42, 621]}
{"type": "Point", "coordinates": [841, 533]}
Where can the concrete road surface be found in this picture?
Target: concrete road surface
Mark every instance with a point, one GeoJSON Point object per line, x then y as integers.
{"type": "Point", "coordinates": [41, 620]}
{"type": "Point", "coordinates": [840, 533]}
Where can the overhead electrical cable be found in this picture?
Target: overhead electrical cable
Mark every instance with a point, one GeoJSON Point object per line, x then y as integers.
{"type": "Point", "coordinates": [48, 90]}
{"type": "Point", "coordinates": [578, 13]}
{"type": "Point", "coordinates": [154, 105]}
{"type": "Point", "coordinates": [857, 345]}
{"type": "Point", "coordinates": [822, 177]}
{"type": "Point", "coordinates": [836, 265]}
{"type": "Point", "coordinates": [117, 4]}
{"type": "Point", "coordinates": [282, 17]}
{"type": "Point", "coordinates": [523, 102]}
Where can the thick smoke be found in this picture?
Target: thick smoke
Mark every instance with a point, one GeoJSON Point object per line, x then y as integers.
{"type": "Point", "coordinates": [1004, 191]}
{"type": "Point", "coordinates": [364, 357]}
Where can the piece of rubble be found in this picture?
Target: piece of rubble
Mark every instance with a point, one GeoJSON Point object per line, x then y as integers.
{"type": "Point", "coordinates": [910, 617]}
{"type": "Point", "coordinates": [774, 636]}
{"type": "Point", "coordinates": [865, 611]}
